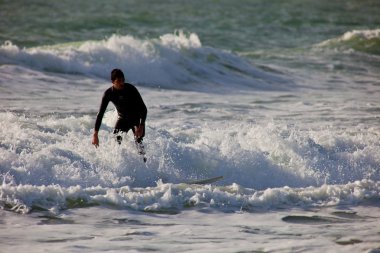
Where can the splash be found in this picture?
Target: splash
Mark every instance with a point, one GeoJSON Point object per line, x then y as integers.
{"type": "Point", "coordinates": [57, 150]}
{"type": "Point", "coordinates": [172, 61]}
{"type": "Point", "coordinates": [173, 198]}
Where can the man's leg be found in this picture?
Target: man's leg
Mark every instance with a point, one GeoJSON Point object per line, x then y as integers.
{"type": "Point", "coordinates": [139, 144]}
{"type": "Point", "coordinates": [120, 127]}
{"type": "Point", "coordinates": [117, 133]}
{"type": "Point", "coordinates": [141, 149]}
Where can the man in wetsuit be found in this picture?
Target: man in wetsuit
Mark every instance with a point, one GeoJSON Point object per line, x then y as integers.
{"type": "Point", "coordinates": [130, 108]}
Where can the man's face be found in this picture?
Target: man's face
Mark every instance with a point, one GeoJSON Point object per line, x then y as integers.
{"type": "Point", "coordinates": [118, 83]}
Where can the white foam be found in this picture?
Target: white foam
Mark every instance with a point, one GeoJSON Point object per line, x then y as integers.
{"type": "Point", "coordinates": [244, 152]}
{"type": "Point", "coordinates": [365, 34]}
{"type": "Point", "coordinates": [172, 61]}
{"type": "Point", "coordinates": [265, 141]}
{"type": "Point", "coordinates": [22, 198]}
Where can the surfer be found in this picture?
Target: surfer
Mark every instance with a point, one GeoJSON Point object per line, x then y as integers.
{"type": "Point", "coordinates": [130, 108]}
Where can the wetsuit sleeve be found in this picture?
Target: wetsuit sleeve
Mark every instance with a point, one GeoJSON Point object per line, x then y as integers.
{"type": "Point", "coordinates": [143, 111]}
{"type": "Point", "coordinates": [102, 109]}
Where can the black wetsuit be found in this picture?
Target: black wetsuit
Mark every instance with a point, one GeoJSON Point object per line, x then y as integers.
{"type": "Point", "coordinates": [129, 105]}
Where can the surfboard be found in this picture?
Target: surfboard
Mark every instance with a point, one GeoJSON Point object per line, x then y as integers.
{"type": "Point", "coordinates": [206, 181]}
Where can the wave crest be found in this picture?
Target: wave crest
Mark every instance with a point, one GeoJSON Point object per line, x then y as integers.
{"type": "Point", "coordinates": [367, 41]}
{"type": "Point", "coordinates": [172, 61]}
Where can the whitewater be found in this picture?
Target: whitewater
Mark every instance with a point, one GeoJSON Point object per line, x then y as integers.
{"type": "Point", "coordinates": [293, 130]}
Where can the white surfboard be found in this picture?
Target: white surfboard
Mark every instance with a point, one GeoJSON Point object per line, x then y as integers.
{"type": "Point", "coordinates": [206, 181]}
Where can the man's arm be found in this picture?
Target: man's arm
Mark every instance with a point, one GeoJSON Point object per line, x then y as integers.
{"type": "Point", "coordinates": [99, 117]}
{"type": "Point", "coordinates": [143, 111]}
{"type": "Point", "coordinates": [95, 139]}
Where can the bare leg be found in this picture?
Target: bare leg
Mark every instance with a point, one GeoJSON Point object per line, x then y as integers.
{"type": "Point", "coordinates": [117, 134]}
{"type": "Point", "coordinates": [140, 148]}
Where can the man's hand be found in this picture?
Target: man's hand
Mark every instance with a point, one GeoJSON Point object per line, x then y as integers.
{"type": "Point", "coordinates": [95, 139]}
{"type": "Point", "coordinates": [139, 131]}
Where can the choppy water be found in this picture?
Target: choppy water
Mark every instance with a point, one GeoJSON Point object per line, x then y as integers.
{"type": "Point", "coordinates": [279, 98]}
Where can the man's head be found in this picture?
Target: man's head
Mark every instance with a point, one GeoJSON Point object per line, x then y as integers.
{"type": "Point", "coordinates": [117, 74]}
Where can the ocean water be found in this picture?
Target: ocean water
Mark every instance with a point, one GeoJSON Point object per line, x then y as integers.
{"type": "Point", "coordinates": [281, 98]}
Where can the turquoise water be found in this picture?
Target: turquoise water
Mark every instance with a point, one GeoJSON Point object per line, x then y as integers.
{"type": "Point", "coordinates": [281, 33]}
{"type": "Point", "coordinates": [234, 25]}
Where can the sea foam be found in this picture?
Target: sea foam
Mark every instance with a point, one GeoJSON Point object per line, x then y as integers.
{"type": "Point", "coordinates": [177, 61]}
{"type": "Point", "coordinates": [57, 150]}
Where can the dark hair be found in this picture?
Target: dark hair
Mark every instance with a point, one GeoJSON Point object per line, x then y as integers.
{"type": "Point", "coordinates": [117, 74]}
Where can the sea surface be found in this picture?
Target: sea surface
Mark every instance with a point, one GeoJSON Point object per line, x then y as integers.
{"type": "Point", "coordinates": [281, 98]}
